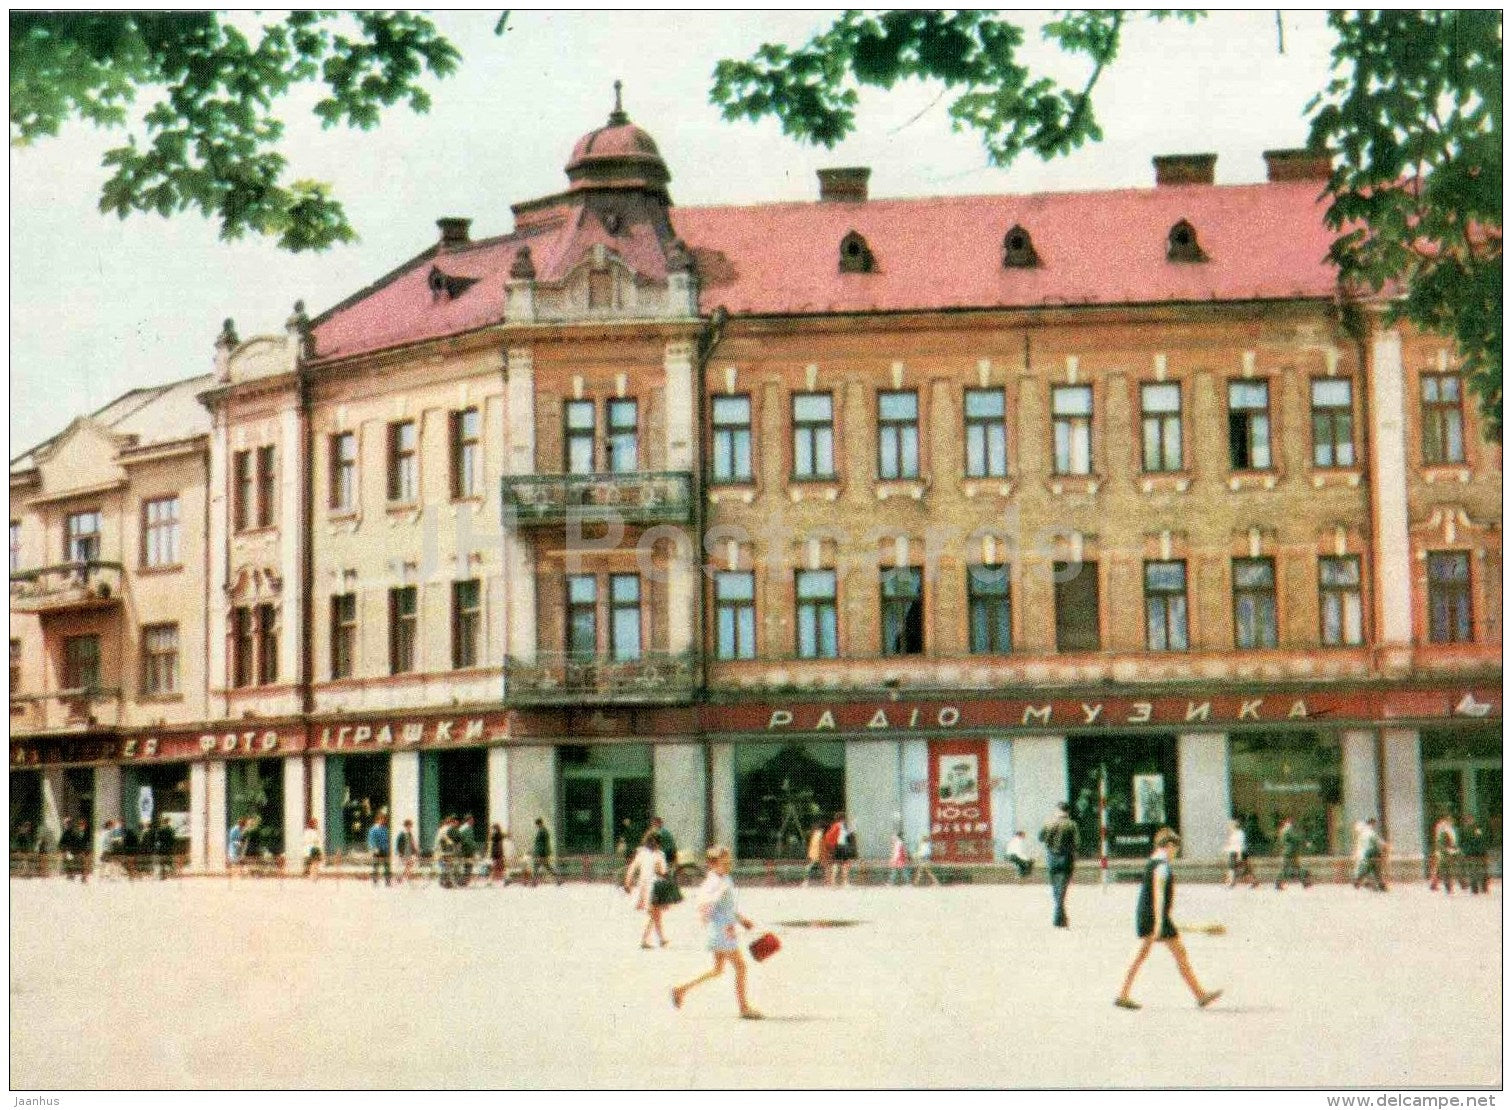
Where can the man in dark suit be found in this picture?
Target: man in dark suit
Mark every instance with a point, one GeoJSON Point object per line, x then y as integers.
{"type": "Point", "coordinates": [1059, 838]}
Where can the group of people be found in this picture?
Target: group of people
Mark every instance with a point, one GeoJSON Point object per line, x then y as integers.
{"type": "Point", "coordinates": [1461, 853]}
{"type": "Point", "coordinates": [834, 848]}
{"type": "Point", "coordinates": [149, 848]}
{"type": "Point", "coordinates": [454, 849]}
{"type": "Point", "coordinates": [651, 872]}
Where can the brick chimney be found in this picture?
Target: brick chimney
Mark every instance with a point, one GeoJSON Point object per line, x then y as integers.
{"type": "Point", "coordinates": [844, 184]}
{"type": "Point", "coordinates": [1298, 165]}
{"type": "Point", "coordinates": [453, 231]}
{"type": "Point", "coordinates": [1184, 169]}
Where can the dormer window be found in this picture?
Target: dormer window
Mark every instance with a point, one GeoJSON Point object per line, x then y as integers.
{"type": "Point", "coordinates": [1181, 244]}
{"type": "Point", "coordinates": [855, 256]}
{"type": "Point", "coordinates": [447, 286]}
{"type": "Point", "coordinates": [1018, 249]}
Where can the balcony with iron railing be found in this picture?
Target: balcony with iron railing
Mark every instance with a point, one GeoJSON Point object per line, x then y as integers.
{"type": "Point", "coordinates": [91, 584]}
{"type": "Point", "coordinates": [81, 710]}
{"type": "Point", "coordinates": [566, 678]}
{"type": "Point", "coordinates": [637, 497]}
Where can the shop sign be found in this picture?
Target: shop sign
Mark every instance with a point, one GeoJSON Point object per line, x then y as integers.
{"type": "Point", "coordinates": [245, 743]}
{"type": "Point", "coordinates": [411, 734]}
{"type": "Point", "coordinates": [960, 801]}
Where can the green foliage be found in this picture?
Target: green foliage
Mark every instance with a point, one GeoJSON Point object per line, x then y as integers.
{"type": "Point", "coordinates": [209, 139]}
{"type": "Point", "coordinates": [1413, 114]}
{"type": "Point", "coordinates": [813, 89]}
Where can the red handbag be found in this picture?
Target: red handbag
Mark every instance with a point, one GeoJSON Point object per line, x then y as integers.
{"type": "Point", "coordinates": [764, 945]}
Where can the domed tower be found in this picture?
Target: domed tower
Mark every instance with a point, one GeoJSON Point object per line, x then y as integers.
{"type": "Point", "coordinates": [618, 155]}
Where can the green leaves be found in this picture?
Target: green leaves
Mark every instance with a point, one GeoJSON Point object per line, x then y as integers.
{"type": "Point", "coordinates": [813, 90]}
{"type": "Point", "coordinates": [1413, 114]}
{"type": "Point", "coordinates": [208, 141]}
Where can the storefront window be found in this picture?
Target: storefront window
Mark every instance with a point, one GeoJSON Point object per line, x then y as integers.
{"type": "Point", "coordinates": [780, 791]}
{"type": "Point", "coordinates": [1462, 776]}
{"type": "Point", "coordinates": [357, 787]}
{"type": "Point", "coordinates": [599, 788]}
{"type": "Point", "coordinates": [1142, 789]}
{"type": "Point", "coordinates": [1274, 775]}
{"type": "Point", "coordinates": [254, 788]}
{"type": "Point", "coordinates": [155, 790]}
{"type": "Point", "coordinates": [453, 784]}
{"type": "Point", "coordinates": [25, 809]}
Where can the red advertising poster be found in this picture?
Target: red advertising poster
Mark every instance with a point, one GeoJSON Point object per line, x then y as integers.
{"type": "Point", "coordinates": [960, 801]}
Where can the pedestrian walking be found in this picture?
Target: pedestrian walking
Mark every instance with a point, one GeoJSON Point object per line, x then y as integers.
{"type": "Point", "coordinates": [1446, 851]}
{"type": "Point", "coordinates": [1060, 840]}
{"type": "Point", "coordinates": [407, 850]}
{"type": "Point", "coordinates": [445, 852]}
{"type": "Point", "coordinates": [1237, 848]}
{"type": "Point", "coordinates": [897, 860]}
{"type": "Point", "coordinates": [540, 855]}
{"type": "Point", "coordinates": [1369, 848]}
{"type": "Point", "coordinates": [311, 849]}
{"type": "Point", "coordinates": [1018, 854]}
{"type": "Point", "coordinates": [1290, 843]}
{"type": "Point", "coordinates": [108, 844]}
{"type": "Point", "coordinates": [236, 844]}
{"type": "Point", "coordinates": [817, 849]}
{"type": "Point", "coordinates": [1433, 856]}
{"type": "Point", "coordinates": [378, 844]}
{"type": "Point", "coordinates": [496, 854]}
{"type": "Point", "coordinates": [841, 839]}
{"type": "Point", "coordinates": [648, 877]}
{"type": "Point", "coordinates": [1475, 857]}
{"type": "Point", "coordinates": [1153, 924]}
{"type": "Point", "coordinates": [923, 869]}
{"type": "Point", "coordinates": [716, 907]}
{"type": "Point", "coordinates": [74, 844]}
{"type": "Point", "coordinates": [164, 847]}
{"type": "Point", "coordinates": [467, 849]}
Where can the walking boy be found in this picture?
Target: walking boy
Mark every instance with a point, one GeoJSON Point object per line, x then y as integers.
{"type": "Point", "coordinates": [1153, 924]}
{"type": "Point", "coordinates": [540, 855]}
{"type": "Point", "coordinates": [1291, 856]}
{"type": "Point", "coordinates": [1059, 838]}
{"type": "Point", "coordinates": [378, 844]}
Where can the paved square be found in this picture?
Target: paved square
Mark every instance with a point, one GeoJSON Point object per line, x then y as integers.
{"type": "Point", "coordinates": [288, 984]}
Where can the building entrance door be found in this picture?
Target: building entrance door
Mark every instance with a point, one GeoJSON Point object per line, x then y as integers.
{"type": "Point", "coordinates": [604, 789]}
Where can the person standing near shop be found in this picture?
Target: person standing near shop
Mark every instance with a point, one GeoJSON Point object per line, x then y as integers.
{"type": "Point", "coordinates": [467, 848]}
{"type": "Point", "coordinates": [716, 906]}
{"type": "Point", "coordinates": [1475, 857]}
{"type": "Point", "coordinates": [1018, 854]}
{"type": "Point", "coordinates": [841, 840]}
{"type": "Point", "coordinates": [897, 860]}
{"type": "Point", "coordinates": [666, 843]}
{"type": "Point", "coordinates": [1368, 850]}
{"type": "Point", "coordinates": [164, 845]}
{"type": "Point", "coordinates": [923, 869]}
{"type": "Point", "coordinates": [496, 854]}
{"type": "Point", "coordinates": [378, 844]}
{"type": "Point", "coordinates": [236, 844]}
{"type": "Point", "coordinates": [445, 852]}
{"type": "Point", "coordinates": [310, 849]}
{"type": "Point", "coordinates": [816, 854]}
{"type": "Point", "coordinates": [74, 845]}
{"type": "Point", "coordinates": [1446, 850]}
{"type": "Point", "coordinates": [1433, 858]}
{"type": "Point", "coordinates": [1060, 840]}
{"type": "Point", "coordinates": [1237, 848]}
{"type": "Point", "coordinates": [1290, 843]}
{"type": "Point", "coordinates": [540, 854]}
{"type": "Point", "coordinates": [1153, 924]}
{"type": "Point", "coordinates": [407, 851]}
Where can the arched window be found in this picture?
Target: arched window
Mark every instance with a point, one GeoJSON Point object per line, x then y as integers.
{"type": "Point", "coordinates": [1181, 244]}
{"type": "Point", "coordinates": [855, 256]}
{"type": "Point", "coordinates": [1018, 249]}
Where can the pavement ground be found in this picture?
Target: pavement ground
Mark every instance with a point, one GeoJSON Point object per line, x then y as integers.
{"type": "Point", "coordinates": [211, 983]}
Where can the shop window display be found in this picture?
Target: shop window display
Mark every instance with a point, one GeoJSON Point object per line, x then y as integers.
{"type": "Point", "coordinates": [1274, 775]}
{"type": "Point", "coordinates": [254, 788]}
{"type": "Point", "coordinates": [1143, 791]}
{"type": "Point", "coordinates": [601, 787]}
{"type": "Point", "coordinates": [357, 787]}
{"type": "Point", "coordinates": [780, 791]}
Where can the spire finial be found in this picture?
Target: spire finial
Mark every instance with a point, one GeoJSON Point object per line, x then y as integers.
{"type": "Point", "coordinates": [617, 117]}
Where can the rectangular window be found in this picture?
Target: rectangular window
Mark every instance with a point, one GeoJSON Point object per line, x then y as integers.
{"type": "Point", "coordinates": [624, 617]}
{"type": "Point", "coordinates": [1071, 410]}
{"type": "Point", "coordinates": [813, 435]}
{"type": "Point", "coordinates": [160, 660]}
{"type": "Point", "coordinates": [1443, 420]}
{"type": "Point", "coordinates": [403, 463]}
{"type": "Point", "coordinates": [343, 635]}
{"type": "Point", "coordinates": [1078, 626]}
{"type": "Point", "coordinates": [404, 623]}
{"type": "Point", "coordinates": [267, 645]}
{"type": "Point", "coordinates": [81, 663]}
{"type": "Point", "coordinates": [898, 435]}
{"type": "Point", "coordinates": [1449, 597]}
{"type": "Point", "coordinates": [624, 437]}
{"type": "Point", "coordinates": [466, 431]}
{"type": "Point", "coordinates": [818, 622]}
{"type": "Point", "coordinates": [344, 471]}
{"type": "Point", "coordinates": [1254, 603]}
{"type": "Point", "coordinates": [903, 611]}
{"type": "Point", "coordinates": [988, 610]}
{"type": "Point", "coordinates": [82, 540]}
{"type": "Point", "coordinates": [160, 532]}
{"type": "Point", "coordinates": [582, 616]}
{"type": "Point", "coordinates": [1160, 415]}
{"type": "Point", "coordinates": [467, 622]}
{"type": "Point", "coordinates": [267, 485]}
{"type": "Point", "coordinates": [1249, 425]}
{"type": "Point", "coordinates": [15, 546]}
{"type": "Point", "coordinates": [732, 439]}
{"type": "Point", "coordinates": [986, 434]}
{"type": "Point", "coordinates": [1166, 606]}
{"type": "Point", "coordinates": [242, 490]}
{"type": "Point", "coordinates": [1339, 604]}
{"type": "Point", "coordinates": [735, 615]}
{"type": "Point", "coordinates": [581, 427]}
{"type": "Point", "coordinates": [1333, 422]}
{"type": "Point", "coordinates": [243, 647]}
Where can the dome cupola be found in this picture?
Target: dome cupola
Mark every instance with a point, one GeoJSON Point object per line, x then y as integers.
{"type": "Point", "coordinates": [618, 155]}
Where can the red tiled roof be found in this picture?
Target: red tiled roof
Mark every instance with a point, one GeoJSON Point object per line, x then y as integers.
{"type": "Point", "coordinates": [1263, 241]}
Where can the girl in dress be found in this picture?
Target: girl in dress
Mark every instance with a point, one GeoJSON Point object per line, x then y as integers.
{"type": "Point", "coordinates": [716, 906]}
{"type": "Point", "coordinates": [648, 865]}
{"type": "Point", "coordinates": [1153, 924]}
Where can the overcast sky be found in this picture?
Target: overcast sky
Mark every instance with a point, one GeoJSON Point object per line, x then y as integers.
{"type": "Point", "coordinates": [100, 305]}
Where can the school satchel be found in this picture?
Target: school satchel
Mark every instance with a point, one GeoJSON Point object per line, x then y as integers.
{"type": "Point", "coordinates": [764, 945]}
